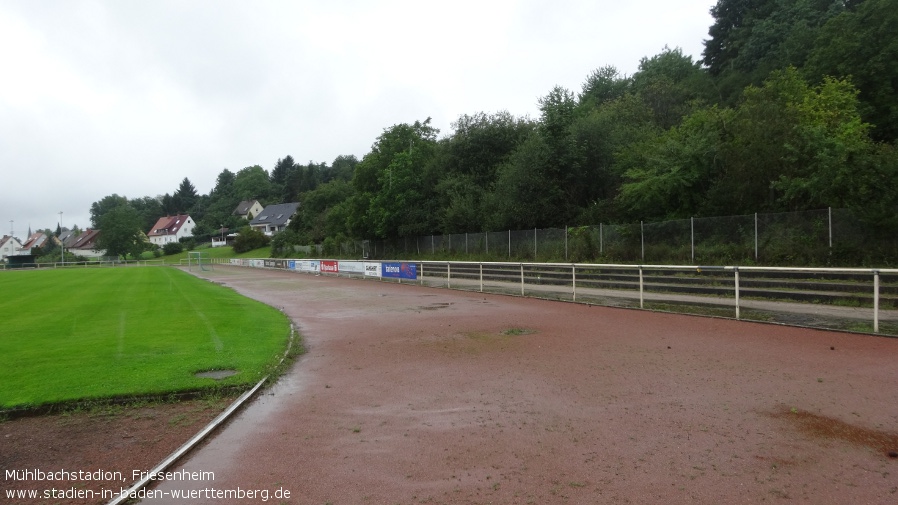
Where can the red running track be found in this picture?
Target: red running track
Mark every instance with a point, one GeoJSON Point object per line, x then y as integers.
{"type": "Point", "coordinates": [417, 395]}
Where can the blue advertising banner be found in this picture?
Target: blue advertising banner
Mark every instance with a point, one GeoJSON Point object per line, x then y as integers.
{"type": "Point", "coordinates": [399, 270]}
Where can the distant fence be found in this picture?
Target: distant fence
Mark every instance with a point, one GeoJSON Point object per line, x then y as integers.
{"type": "Point", "coordinates": [827, 236]}
{"type": "Point", "coordinates": [82, 264]}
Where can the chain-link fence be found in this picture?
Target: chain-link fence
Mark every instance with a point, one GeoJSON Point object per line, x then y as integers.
{"type": "Point", "coordinates": [815, 237]}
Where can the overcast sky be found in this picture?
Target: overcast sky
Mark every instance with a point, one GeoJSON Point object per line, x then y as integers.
{"type": "Point", "coordinates": [130, 97]}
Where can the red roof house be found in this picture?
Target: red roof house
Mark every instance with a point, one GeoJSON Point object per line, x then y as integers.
{"type": "Point", "coordinates": [171, 229]}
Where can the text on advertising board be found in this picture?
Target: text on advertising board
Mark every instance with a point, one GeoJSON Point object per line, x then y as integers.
{"type": "Point", "coordinates": [400, 270]}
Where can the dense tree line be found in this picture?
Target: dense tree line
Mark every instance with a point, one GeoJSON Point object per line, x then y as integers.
{"type": "Point", "coordinates": [792, 106]}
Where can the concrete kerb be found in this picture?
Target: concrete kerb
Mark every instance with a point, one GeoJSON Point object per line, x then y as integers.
{"type": "Point", "coordinates": [201, 435]}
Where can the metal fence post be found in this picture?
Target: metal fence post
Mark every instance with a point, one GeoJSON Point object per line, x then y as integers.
{"type": "Point", "coordinates": [534, 244]}
{"type": "Point", "coordinates": [876, 301]}
{"type": "Point", "coordinates": [448, 275]}
{"type": "Point", "coordinates": [522, 279]}
{"type": "Point", "coordinates": [574, 281]}
{"type": "Point", "coordinates": [640, 288]}
{"type": "Point", "coordinates": [509, 244]}
{"type": "Point", "coordinates": [481, 277]}
{"type": "Point", "coordinates": [736, 270]}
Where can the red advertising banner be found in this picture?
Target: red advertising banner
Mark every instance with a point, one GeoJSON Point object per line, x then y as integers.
{"type": "Point", "coordinates": [329, 267]}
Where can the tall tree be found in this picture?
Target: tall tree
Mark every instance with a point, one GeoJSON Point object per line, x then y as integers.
{"type": "Point", "coordinates": [252, 183]}
{"type": "Point", "coordinates": [185, 197]}
{"type": "Point", "coordinates": [482, 142]}
{"type": "Point", "coordinates": [282, 169]}
{"type": "Point", "coordinates": [732, 24]}
{"type": "Point", "coordinates": [751, 38]}
{"type": "Point", "coordinates": [120, 232]}
{"type": "Point", "coordinates": [860, 44]}
{"type": "Point", "coordinates": [604, 85]}
{"type": "Point", "coordinates": [99, 208]}
{"type": "Point", "coordinates": [668, 176]}
{"type": "Point", "coordinates": [221, 202]}
{"type": "Point", "coordinates": [280, 175]}
{"type": "Point", "coordinates": [224, 183]}
{"type": "Point", "coordinates": [792, 146]}
{"type": "Point", "coordinates": [314, 221]}
{"type": "Point", "coordinates": [561, 166]}
{"type": "Point", "coordinates": [672, 85]}
{"type": "Point", "coordinates": [342, 168]}
{"type": "Point", "coordinates": [396, 170]}
{"type": "Point", "coordinates": [525, 195]}
{"type": "Point", "coordinates": [149, 209]}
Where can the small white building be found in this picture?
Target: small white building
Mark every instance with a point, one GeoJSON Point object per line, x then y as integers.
{"type": "Point", "coordinates": [9, 246]}
{"type": "Point", "coordinates": [171, 229]}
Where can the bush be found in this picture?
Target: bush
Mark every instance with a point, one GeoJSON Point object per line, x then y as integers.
{"type": "Point", "coordinates": [249, 239]}
{"type": "Point", "coordinates": [582, 244]}
{"type": "Point", "coordinates": [282, 244]}
{"type": "Point", "coordinates": [172, 248]}
{"type": "Point", "coordinates": [188, 243]}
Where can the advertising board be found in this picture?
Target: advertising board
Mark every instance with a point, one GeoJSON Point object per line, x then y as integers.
{"type": "Point", "coordinates": [307, 266]}
{"type": "Point", "coordinates": [399, 270]}
{"type": "Point", "coordinates": [330, 267]}
{"type": "Point", "coordinates": [351, 267]}
{"type": "Point", "coordinates": [372, 269]}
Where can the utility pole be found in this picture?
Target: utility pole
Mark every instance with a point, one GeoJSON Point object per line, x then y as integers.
{"type": "Point", "coordinates": [61, 245]}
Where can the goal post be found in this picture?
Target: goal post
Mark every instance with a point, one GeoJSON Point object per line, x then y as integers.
{"type": "Point", "coordinates": [198, 259]}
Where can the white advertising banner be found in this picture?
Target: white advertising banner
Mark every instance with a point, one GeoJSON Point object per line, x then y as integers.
{"type": "Point", "coordinates": [308, 266]}
{"type": "Point", "coordinates": [372, 269]}
{"type": "Point", "coordinates": [352, 267]}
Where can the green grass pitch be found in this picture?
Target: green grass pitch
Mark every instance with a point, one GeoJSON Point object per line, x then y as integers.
{"type": "Point", "coordinates": [99, 333]}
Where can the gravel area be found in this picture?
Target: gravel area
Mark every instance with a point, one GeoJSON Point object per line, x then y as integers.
{"type": "Point", "coordinates": [421, 395]}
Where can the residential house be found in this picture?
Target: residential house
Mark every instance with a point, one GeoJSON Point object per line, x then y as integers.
{"type": "Point", "coordinates": [36, 239]}
{"type": "Point", "coordinates": [66, 235]}
{"type": "Point", "coordinates": [9, 246]}
{"type": "Point", "coordinates": [274, 218]}
{"type": "Point", "coordinates": [248, 209]}
{"type": "Point", "coordinates": [171, 229]}
{"type": "Point", "coordinates": [86, 245]}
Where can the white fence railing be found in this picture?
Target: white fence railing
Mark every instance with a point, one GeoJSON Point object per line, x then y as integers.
{"type": "Point", "coordinates": [837, 293]}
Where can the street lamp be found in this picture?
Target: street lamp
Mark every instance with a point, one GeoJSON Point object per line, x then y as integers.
{"type": "Point", "coordinates": [12, 237]}
{"type": "Point", "coordinates": [61, 245]}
